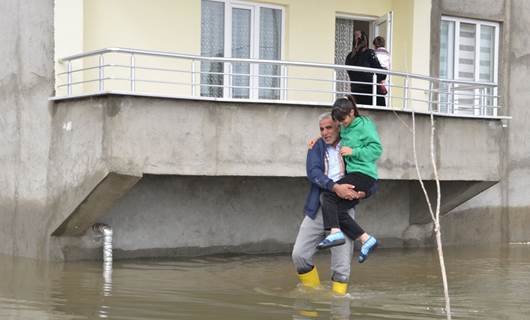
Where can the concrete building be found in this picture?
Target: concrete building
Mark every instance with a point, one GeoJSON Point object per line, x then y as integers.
{"type": "Point", "coordinates": [183, 124]}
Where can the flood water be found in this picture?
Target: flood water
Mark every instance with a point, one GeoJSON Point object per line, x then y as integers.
{"type": "Point", "coordinates": [484, 283]}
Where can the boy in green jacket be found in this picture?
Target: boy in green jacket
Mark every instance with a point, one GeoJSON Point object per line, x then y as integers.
{"type": "Point", "coordinates": [361, 148]}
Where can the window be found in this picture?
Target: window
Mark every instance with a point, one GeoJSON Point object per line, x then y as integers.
{"type": "Point", "coordinates": [241, 30]}
{"type": "Point", "coordinates": [468, 51]}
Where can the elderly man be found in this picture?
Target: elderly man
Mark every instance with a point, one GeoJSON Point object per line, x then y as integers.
{"type": "Point", "coordinates": [324, 166]}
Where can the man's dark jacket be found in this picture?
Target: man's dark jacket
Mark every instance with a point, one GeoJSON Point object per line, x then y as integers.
{"type": "Point", "coordinates": [316, 173]}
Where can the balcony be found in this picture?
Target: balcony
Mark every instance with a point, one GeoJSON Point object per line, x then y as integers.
{"type": "Point", "coordinates": [172, 75]}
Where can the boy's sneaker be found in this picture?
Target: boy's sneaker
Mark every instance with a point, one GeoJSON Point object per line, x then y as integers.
{"type": "Point", "coordinates": [332, 240]}
{"type": "Point", "coordinates": [368, 246]}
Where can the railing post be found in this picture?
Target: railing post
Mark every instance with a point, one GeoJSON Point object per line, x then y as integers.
{"type": "Point", "coordinates": [429, 103]}
{"type": "Point", "coordinates": [227, 80]}
{"type": "Point", "coordinates": [406, 93]}
{"type": "Point", "coordinates": [193, 79]}
{"type": "Point", "coordinates": [439, 96]}
{"type": "Point", "coordinates": [494, 100]}
{"type": "Point", "coordinates": [374, 89]}
{"type": "Point", "coordinates": [283, 82]}
{"type": "Point", "coordinates": [69, 79]}
{"type": "Point", "coordinates": [334, 84]}
{"type": "Point", "coordinates": [452, 91]}
{"type": "Point", "coordinates": [133, 73]}
{"type": "Point", "coordinates": [101, 73]}
{"type": "Point", "coordinates": [482, 101]}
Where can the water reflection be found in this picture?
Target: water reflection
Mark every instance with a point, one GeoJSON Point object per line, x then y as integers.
{"type": "Point", "coordinates": [107, 278]}
{"type": "Point", "coordinates": [484, 283]}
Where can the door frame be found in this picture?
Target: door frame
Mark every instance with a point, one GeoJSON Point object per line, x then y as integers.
{"type": "Point", "coordinates": [374, 20]}
{"type": "Point", "coordinates": [388, 18]}
{"type": "Point", "coordinates": [228, 77]}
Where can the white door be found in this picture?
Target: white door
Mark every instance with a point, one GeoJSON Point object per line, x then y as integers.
{"type": "Point", "coordinates": [382, 26]}
{"type": "Point", "coordinates": [241, 36]}
{"type": "Point", "coordinates": [256, 33]}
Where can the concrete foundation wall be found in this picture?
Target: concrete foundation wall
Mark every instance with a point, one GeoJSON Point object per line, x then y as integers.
{"type": "Point", "coordinates": [184, 215]}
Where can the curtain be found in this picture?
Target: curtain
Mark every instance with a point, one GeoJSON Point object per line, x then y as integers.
{"type": "Point", "coordinates": [343, 45]}
{"type": "Point", "coordinates": [487, 63]}
{"type": "Point", "coordinates": [241, 27]}
{"type": "Point", "coordinates": [447, 40]}
{"type": "Point", "coordinates": [212, 45]}
{"type": "Point", "coordinates": [487, 53]}
{"type": "Point", "coordinates": [467, 102]}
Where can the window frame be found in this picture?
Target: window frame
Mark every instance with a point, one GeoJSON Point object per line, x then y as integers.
{"type": "Point", "coordinates": [255, 40]}
{"type": "Point", "coordinates": [478, 24]}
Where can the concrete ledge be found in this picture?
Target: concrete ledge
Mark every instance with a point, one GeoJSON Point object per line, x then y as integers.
{"type": "Point", "coordinates": [101, 199]}
{"type": "Point", "coordinates": [193, 137]}
{"type": "Point", "coordinates": [453, 194]}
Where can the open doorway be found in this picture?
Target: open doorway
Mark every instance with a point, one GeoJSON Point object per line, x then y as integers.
{"type": "Point", "coordinates": [344, 29]}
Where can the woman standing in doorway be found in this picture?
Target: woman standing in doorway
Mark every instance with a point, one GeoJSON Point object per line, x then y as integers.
{"type": "Point", "coordinates": [362, 56]}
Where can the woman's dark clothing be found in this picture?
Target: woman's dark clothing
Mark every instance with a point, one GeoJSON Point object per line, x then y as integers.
{"type": "Point", "coordinates": [335, 209]}
{"type": "Point", "coordinates": [365, 58]}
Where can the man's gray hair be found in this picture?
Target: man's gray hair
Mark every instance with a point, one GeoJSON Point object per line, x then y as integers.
{"type": "Point", "coordinates": [325, 115]}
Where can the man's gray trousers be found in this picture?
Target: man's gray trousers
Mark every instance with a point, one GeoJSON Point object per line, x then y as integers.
{"type": "Point", "coordinates": [311, 232]}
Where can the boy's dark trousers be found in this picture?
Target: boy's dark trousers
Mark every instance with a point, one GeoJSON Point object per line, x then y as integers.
{"type": "Point", "coordinates": [335, 209]}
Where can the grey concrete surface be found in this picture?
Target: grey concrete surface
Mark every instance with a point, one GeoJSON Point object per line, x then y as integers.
{"type": "Point", "coordinates": [452, 194]}
{"type": "Point", "coordinates": [502, 213]}
{"type": "Point", "coordinates": [185, 215]}
{"type": "Point", "coordinates": [185, 137]}
{"type": "Point", "coordinates": [26, 80]}
{"type": "Point", "coordinates": [518, 166]}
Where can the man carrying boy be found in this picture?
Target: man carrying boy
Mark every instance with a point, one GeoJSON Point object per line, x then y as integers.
{"type": "Point", "coordinates": [324, 166]}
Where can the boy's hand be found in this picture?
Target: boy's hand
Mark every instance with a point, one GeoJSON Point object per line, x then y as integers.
{"type": "Point", "coordinates": [359, 194]}
{"type": "Point", "coordinates": [311, 143]}
{"type": "Point", "coordinates": [346, 151]}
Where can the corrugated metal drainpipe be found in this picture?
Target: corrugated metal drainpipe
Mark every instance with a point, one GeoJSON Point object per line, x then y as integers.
{"type": "Point", "coordinates": [106, 231]}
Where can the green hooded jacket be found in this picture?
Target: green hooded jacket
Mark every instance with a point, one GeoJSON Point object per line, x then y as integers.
{"type": "Point", "coordinates": [361, 135]}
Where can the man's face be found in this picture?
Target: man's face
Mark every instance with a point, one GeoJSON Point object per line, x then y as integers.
{"type": "Point", "coordinates": [329, 130]}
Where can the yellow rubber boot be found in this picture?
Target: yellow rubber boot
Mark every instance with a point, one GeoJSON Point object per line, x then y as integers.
{"type": "Point", "coordinates": [310, 279]}
{"type": "Point", "coordinates": [339, 287]}
{"type": "Point", "coordinates": [308, 314]}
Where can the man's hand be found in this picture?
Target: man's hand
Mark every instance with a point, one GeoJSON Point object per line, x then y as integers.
{"type": "Point", "coordinates": [346, 151]}
{"type": "Point", "coordinates": [344, 191]}
{"type": "Point", "coordinates": [347, 192]}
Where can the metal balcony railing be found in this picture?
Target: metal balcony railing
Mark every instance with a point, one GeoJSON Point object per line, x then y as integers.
{"type": "Point", "coordinates": [165, 74]}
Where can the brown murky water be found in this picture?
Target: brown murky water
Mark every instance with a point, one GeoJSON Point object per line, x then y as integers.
{"type": "Point", "coordinates": [484, 283]}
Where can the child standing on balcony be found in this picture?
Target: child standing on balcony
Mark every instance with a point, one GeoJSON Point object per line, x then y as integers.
{"type": "Point", "coordinates": [361, 148]}
{"type": "Point", "coordinates": [381, 52]}
{"type": "Point", "coordinates": [383, 56]}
